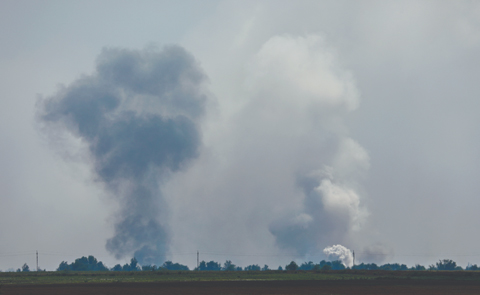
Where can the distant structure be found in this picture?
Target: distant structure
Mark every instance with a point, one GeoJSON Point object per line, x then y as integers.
{"type": "Point", "coordinates": [353, 251]}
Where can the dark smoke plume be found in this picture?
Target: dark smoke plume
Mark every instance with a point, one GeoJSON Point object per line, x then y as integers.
{"type": "Point", "coordinates": [138, 116]}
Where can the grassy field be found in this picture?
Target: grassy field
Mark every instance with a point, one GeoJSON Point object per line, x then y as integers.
{"type": "Point", "coordinates": [9, 278]}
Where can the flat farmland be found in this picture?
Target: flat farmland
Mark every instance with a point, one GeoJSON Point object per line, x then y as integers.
{"type": "Point", "coordinates": [329, 282]}
{"type": "Point", "coordinates": [254, 287]}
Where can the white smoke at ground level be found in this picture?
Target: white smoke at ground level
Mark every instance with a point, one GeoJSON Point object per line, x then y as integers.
{"type": "Point", "coordinates": [339, 252]}
{"type": "Point", "coordinates": [300, 93]}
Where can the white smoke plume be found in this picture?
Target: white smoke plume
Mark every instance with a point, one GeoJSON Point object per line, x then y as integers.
{"type": "Point", "coordinates": [339, 252]}
{"type": "Point", "coordinates": [278, 169]}
{"type": "Point", "coordinates": [309, 89]}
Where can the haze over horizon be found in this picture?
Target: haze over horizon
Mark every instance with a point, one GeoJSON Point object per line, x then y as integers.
{"type": "Point", "coordinates": [255, 131]}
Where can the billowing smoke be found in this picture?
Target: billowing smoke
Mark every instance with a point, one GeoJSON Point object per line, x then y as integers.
{"type": "Point", "coordinates": [282, 170]}
{"type": "Point", "coordinates": [376, 253]}
{"type": "Point", "coordinates": [339, 252]}
{"type": "Point", "coordinates": [138, 117]}
{"type": "Point", "coordinates": [313, 94]}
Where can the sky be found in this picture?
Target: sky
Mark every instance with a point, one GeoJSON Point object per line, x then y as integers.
{"type": "Point", "coordinates": [255, 131]}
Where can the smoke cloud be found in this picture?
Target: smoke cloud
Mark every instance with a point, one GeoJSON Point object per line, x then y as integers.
{"type": "Point", "coordinates": [376, 253]}
{"type": "Point", "coordinates": [275, 168]}
{"type": "Point", "coordinates": [283, 172]}
{"type": "Point", "coordinates": [339, 252]}
{"type": "Point", "coordinates": [317, 93]}
{"type": "Point", "coordinates": [138, 117]}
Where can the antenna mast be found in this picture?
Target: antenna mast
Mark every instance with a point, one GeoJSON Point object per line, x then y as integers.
{"type": "Point", "coordinates": [353, 258]}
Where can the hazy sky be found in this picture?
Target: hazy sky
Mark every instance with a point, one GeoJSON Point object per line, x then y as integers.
{"type": "Point", "coordinates": [322, 123]}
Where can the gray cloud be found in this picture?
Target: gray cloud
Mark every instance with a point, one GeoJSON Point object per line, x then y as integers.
{"type": "Point", "coordinates": [138, 117]}
{"type": "Point", "coordinates": [304, 71]}
{"type": "Point", "coordinates": [414, 64]}
{"type": "Point", "coordinates": [262, 163]}
{"type": "Point", "coordinates": [375, 253]}
{"type": "Point", "coordinates": [283, 172]}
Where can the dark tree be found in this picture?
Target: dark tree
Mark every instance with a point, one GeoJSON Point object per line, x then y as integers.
{"type": "Point", "coordinates": [149, 267]}
{"type": "Point", "coordinates": [326, 267]}
{"type": "Point", "coordinates": [254, 267]}
{"type": "Point", "coordinates": [323, 262]}
{"type": "Point", "coordinates": [446, 264]}
{"type": "Point", "coordinates": [134, 264]}
{"type": "Point", "coordinates": [202, 266]}
{"type": "Point", "coordinates": [25, 268]}
{"type": "Point", "coordinates": [89, 263]}
{"type": "Point", "coordinates": [292, 266]}
{"type": "Point", "coordinates": [212, 265]}
{"type": "Point", "coordinates": [418, 267]}
{"type": "Point", "coordinates": [117, 267]}
{"type": "Point", "coordinates": [307, 266]}
{"type": "Point", "coordinates": [394, 266]}
{"type": "Point", "coordinates": [337, 265]}
{"type": "Point", "coordinates": [472, 267]}
{"type": "Point", "coordinates": [370, 266]}
{"type": "Point", "coordinates": [228, 266]}
{"type": "Point", "coordinates": [174, 266]}
{"type": "Point", "coordinates": [373, 266]}
{"type": "Point", "coordinates": [80, 264]}
{"type": "Point", "coordinates": [63, 266]}
{"type": "Point", "coordinates": [126, 267]}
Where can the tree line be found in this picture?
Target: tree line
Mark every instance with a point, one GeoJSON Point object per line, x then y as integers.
{"type": "Point", "coordinates": [90, 263]}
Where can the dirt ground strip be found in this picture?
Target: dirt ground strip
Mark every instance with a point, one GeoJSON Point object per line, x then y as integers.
{"type": "Point", "coordinates": [410, 287]}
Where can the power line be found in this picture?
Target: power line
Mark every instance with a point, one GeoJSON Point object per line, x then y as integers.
{"type": "Point", "coordinates": [357, 253]}
{"type": "Point", "coordinates": [63, 254]}
{"type": "Point", "coordinates": [17, 254]}
{"type": "Point", "coordinates": [418, 254]}
{"type": "Point", "coordinates": [31, 253]}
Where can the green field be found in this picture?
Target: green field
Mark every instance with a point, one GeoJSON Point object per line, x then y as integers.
{"type": "Point", "coordinates": [165, 276]}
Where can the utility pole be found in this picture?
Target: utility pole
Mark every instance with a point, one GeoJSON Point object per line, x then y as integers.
{"type": "Point", "coordinates": [353, 258]}
{"type": "Point", "coordinates": [37, 260]}
{"type": "Point", "coordinates": [198, 261]}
